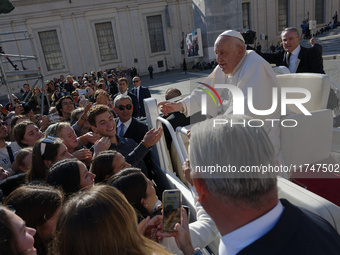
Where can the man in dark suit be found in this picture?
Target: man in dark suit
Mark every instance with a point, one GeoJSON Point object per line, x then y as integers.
{"type": "Point", "coordinates": [140, 92]}
{"type": "Point", "coordinates": [113, 88]}
{"type": "Point", "coordinates": [297, 58]}
{"type": "Point", "coordinates": [123, 90]}
{"type": "Point", "coordinates": [243, 203]}
{"type": "Point", "coordinates": [128, 126]}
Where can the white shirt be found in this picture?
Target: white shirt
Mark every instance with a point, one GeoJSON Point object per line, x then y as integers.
{"type": "Point", "coordinates": [125, 93]}
{"type": "Point", "coordinates": [292, 61]}
{"type": "Point", "coordinates": [242, 237]}
{"type": "Point", "coordinates": [138, 92]}
{"type": "Point", "coordinates": [126, 124]}
{"type": "Point", "coordinates": [5, 161]}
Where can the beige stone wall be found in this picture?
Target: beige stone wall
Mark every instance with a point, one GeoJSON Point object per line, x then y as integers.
{"type": "Point", "coordinates": [74, 21]}
{"type": "Point", "coordinates": [264, 13]}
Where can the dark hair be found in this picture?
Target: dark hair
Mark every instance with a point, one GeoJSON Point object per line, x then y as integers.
{"type": "Point", "coordinates": [38, 170]}
{"type": "Point", "coordinates": [18, 132]}
{"type": "Point", "coordinates": [65, 175]}
{"type": "Point", "coordinates": [22, 154]}
{"type": "Point", "coordinates": [95, 111]}
{"type": "Point", "coordinates": [7, 237]}
{"type": "Point", "coordinates": [16, 118]}
{"type": "Point", "coordinates": [171, 93]}
{"type": "Point", "coordinates": [59, 105]}
{"type": "Point", "coordinates": [102, 165]}
{"type": "Point", "coordinates": [131, 182]}
{"type": "Point", "coordinates": [36, 205]}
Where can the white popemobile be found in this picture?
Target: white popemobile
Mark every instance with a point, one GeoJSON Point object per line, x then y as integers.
{"type": "Point", "coordinates": [311, 147]}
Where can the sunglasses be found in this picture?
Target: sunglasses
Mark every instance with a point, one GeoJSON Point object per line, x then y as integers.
{"type": "Point", "coordinates": [122, 107]}
{"type": "Point", "coordinates": [2, 123]}
{"type": "Point", "coordinates": [136, 81]}
{"type": "Point", "coordinates": [47, 140]}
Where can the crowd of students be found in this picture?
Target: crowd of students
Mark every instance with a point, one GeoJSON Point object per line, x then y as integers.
{"type": "Point", "coordinates": [51, 162]}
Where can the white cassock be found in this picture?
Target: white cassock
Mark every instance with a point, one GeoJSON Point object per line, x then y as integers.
{"type": "Point", "coordinates": [252, 72]}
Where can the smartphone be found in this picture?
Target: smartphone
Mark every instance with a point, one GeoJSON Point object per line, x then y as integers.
{"type": "Point", "coordinates": [83, 91]}
{"type": "Point", "coordinates": [172, 213]}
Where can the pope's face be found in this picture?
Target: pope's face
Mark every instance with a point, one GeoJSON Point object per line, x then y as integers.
{"type": "Point", "coordinates": [228, 53]}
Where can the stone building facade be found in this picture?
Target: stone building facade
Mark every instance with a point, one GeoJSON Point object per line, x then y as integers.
{"type": "Point", "coordinates": [268, 18]}
{"type": "Point", "coordinates": [77, 36]}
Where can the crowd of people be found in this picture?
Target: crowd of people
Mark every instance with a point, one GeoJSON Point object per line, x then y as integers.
{"type": "Point", "coordinates": [81, 182]}
{"type": "Point", "coordinates": [93, 129]}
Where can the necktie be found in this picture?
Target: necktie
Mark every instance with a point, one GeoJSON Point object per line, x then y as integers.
{"type": "Point", "coordinates": [121, 131]}
{"type": "Point", "coordinates": [288, 58]}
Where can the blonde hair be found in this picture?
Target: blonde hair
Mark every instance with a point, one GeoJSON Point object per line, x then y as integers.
{"type": "Point", "coordinates": [55, 129]}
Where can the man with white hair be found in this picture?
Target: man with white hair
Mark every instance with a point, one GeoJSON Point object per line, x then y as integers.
{"type": "Point", "coordinates": [244, 204]}
{"type": "Point", "coordinates": [244, 69]}
{"type": "Point", "coordinates": [296, 58]}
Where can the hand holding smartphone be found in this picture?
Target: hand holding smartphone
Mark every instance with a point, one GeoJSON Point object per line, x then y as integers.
{"type": "Point", "coordinates": [172, 212]}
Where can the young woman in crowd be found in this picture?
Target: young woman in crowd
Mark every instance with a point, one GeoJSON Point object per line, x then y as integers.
{"type": "Point", "coordinates": [39, 207]}
{"type": "Point", "coordinates": [97, 218]}
{"type": "Point", "coordinates": [65, 106]}
{"type": "Point", "coordinates": [141, 194]}
{"type": "Point", "coordinates": [64, 131]}
{"type": "Point", "coordinates": [26, 134]}
{"type": "Point", "coordinates": [138, 190]}
{"type": "Point", "coordinates": [15, 237]}
{"type": "Point", "coordinates": [45, 153]}
{"type": "Point", "coordinates": [71, 175]}
{"type": "Point", "coordinates": [106, 164]}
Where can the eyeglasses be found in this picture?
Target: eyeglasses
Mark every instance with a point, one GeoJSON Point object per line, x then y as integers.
{"type": "Point", "coordinates": [136, 81]}
{"type": "Point", "coordinates": [49, 140]}
{"type": "Point", "coordinates": [122, 107]}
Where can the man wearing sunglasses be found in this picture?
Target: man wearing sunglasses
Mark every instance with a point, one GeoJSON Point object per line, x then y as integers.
{"type": "Point", "coordinates": [128, 126]}
{"type": "Point", "coordinates": [123, 90]}
{"type": "Point", "coordinates": [140, 92]}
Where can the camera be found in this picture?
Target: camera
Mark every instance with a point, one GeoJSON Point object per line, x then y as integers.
{"type": "Point", "coordinates": [249, 36]}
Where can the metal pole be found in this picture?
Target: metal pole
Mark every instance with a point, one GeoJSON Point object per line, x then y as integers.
{"type": "Point", "coordinates": [4, 81]}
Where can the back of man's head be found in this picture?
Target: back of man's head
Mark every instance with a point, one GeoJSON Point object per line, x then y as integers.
{"type": "Point", "coordinates": [172, 93]}
{"type": "Point", "coordinates": [231, 157]}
